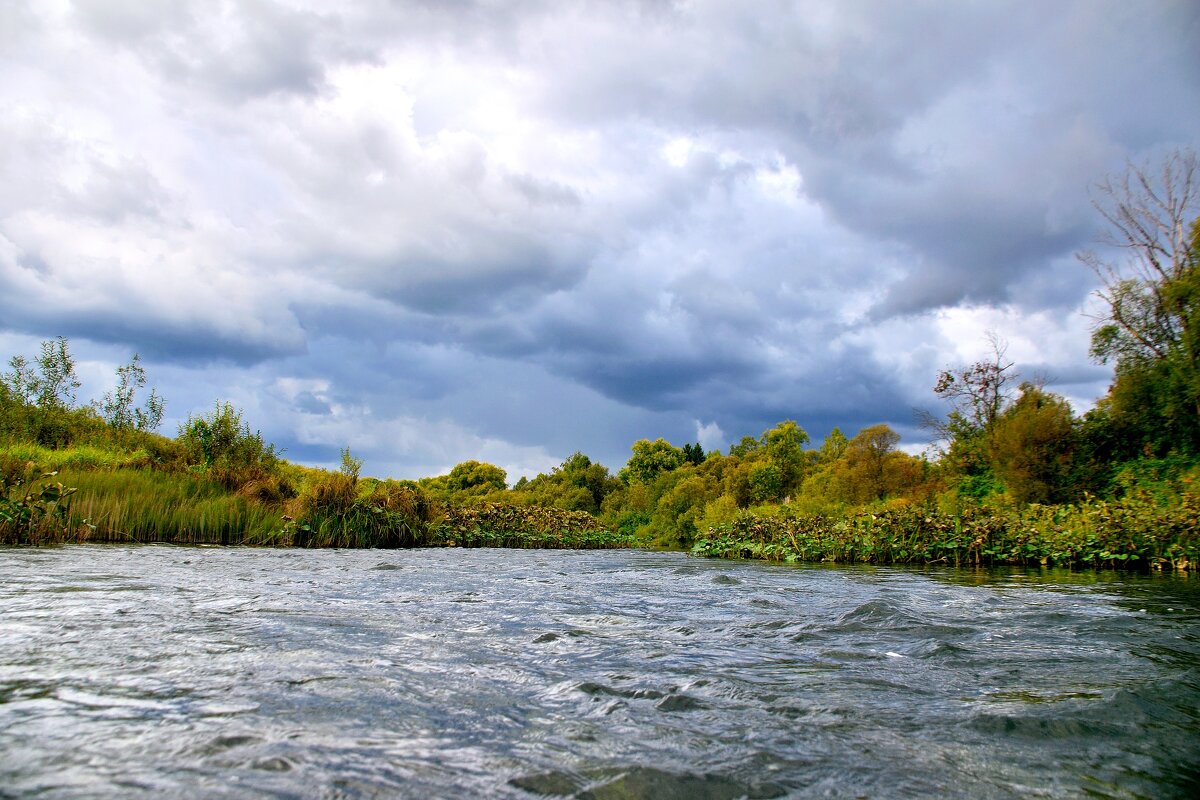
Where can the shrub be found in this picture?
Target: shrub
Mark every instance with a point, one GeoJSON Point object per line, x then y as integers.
{"type": "Point", "coordinates": [221, 445]}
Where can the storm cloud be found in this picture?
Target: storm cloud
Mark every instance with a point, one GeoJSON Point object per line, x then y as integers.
{"type": "Point", "coordinates": [509, 231]}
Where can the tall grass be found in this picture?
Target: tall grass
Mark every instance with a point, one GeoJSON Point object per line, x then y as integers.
{"type": "Point", "coordinates": [130, 505]}
{"type": "Point", "coordinates": [81, 457]}
{"type": "Point", "coordinates": [339, 511]}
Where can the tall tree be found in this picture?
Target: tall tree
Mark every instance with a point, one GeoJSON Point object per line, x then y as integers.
{"type": "Point", "coordinates": [785, 444]}
{"type": "Point", "coordinates": [866, 456]}
{"type": "Point", "coordinates": [1150, 286]}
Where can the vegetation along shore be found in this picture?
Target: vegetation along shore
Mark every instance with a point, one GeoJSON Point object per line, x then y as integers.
{"type": "Point", "coordinates": [1015, 476]}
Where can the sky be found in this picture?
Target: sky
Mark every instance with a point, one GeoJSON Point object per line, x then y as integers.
{"type": "Point", "coordinates": [510, 231]}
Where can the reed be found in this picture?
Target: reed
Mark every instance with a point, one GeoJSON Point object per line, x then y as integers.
{"type": "Point", "coordinates": [108, 496]}
{"type": "Point", "coordinates": [128, 505]}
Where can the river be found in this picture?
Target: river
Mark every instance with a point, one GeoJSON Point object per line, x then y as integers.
{"type": "Point", "coordinates": [159, 671]}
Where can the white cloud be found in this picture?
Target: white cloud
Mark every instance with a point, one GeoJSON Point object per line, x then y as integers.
{"type": "Point", "coordinates": [608, 216]}
{"type": "Point", "coordinates": [710, 436]}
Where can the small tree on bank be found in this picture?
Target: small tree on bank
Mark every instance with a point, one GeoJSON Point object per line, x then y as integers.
{"type": "Point", "coordinates": [117, 406]}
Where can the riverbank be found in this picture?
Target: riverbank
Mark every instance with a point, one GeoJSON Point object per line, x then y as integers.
{"type": "Point", "coordinates": [138, 505]}
{"type": "Point", "coordinates": [1133, 532]}
{"type": "Point", "coordinates": [1137, 532]}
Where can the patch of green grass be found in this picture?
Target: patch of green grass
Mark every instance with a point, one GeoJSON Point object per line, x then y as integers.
{"type": "Point", "coordinates": [82, 457]}
{"type": "Point", "coordinates": [147, 506]}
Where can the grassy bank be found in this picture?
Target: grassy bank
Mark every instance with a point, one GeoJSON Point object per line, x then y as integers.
{"type": "Point", "coordinates": [141, 505]}
{"type": "Point", "coordinates": [1132, 532]}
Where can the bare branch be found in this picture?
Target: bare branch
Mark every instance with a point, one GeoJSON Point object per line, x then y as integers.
{"type": "Point", "coordinates": [1149, 213]}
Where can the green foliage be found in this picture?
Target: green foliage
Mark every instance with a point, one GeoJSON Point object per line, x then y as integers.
{"type": "Point", "coordinates": [866, 457]}
{"type": "Point", "coordinates": [351, 466]}
{"type": "Point", "coordinates": [141, 505]}
{"type": "Point", "coordinates": [37, 404]}
{"type": "Point", "coordinates": [39, 398]}
{"type": "Point", "coordinates": [1032, 446]}
{"type": "Point", "coordinates": [677, 504]}
{"type": "Point", "coordinates": [765, 483]}
{"type": "Point", "coordinates": [693, 454]}
{"type": "Point", "coordinates": [1134, 531]}
{"type": "Point", "coordinates": [679, 509]}
{"type": "Point", "coordinates": [33, 508]}
{"type": "Point", "coordinates": [476, 478]}
{"type": "Point", "coordinates": [1151, 329]}
{"type": "Point", "coordinates": [747, 446]}
{"type": "Point", "coordinates": [332, 512]}
{"type": "Point", "coordinates": [222, 446]}
{"type": "Point", "coordinates": [833, 448]}
{"type": "Point", "coordinates": [48, 383]}
{"type": "Point", "coordinates": [117, 406]}
{"type": "Point", "coordinates": [578, 484]}
{"type": "Point", "coordinates": [501, 525]}
{"type": "Point", "coordinates": [784, 446]}
{"type": "Point", "coordinates": [650, 459]}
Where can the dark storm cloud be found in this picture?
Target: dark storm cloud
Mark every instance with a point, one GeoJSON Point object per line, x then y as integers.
{"type": "Point", "coordinates": [190, 341]}
{"type": "Point", "coordinates": [512, 230]}
{"type": "Point", "coordinates": [1013, 105]}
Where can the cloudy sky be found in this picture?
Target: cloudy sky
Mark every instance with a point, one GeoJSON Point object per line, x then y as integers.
{"type": "Point", "coordinates": [436, 231]}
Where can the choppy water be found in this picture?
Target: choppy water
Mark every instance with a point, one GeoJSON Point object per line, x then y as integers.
{"type": "Point", "coordinates": [158, 671]}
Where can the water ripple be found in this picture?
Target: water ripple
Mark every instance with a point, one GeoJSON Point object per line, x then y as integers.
{"type": "Point", "coordinates": [159, 671]}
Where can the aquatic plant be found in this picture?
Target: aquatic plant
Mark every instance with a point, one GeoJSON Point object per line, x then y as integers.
{"type": "Point", "coordinates": [32, 509]}
{"type": "Point", "coordinates": [501, 525]}
{"type": "Point", "coordinates": [1133, 531]}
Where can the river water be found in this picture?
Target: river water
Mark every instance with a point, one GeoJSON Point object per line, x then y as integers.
{"type": "Point", "coordinates": [158, 671]}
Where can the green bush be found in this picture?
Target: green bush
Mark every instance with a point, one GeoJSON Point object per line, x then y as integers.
{"type": "Point", "coordinates": [222, 446]}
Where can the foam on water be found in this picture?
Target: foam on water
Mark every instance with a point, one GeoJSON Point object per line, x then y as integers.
{"type": "Point", "coordinates": [158, 671]}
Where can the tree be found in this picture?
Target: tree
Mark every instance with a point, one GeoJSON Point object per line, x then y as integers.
{"type": "Point", "coordinates": [976, 393]}
{"type": "Point", "coordinates": [117, 406]}
{"type": "Point", "coordinates": [577, 484]}
{"type": "Point", "coordinates": [476, 478]}
{"type": "Point", "coordinates": [866, 456]}
{"type": "Point", "coordinates": [50, 382]}
{"type": "Point", "coordinates": [651, 458]}
{"type": "Point", "coordinates": [1031, 451]}
{"type": "Point", "coordinates": [1150, 289]}
{"type": "Point", "coordinates": [745, 447]}
{"type": "Point", "coordinates": [693, 453]}
{"type": "Point", "coordinates": [1151, 220]}
{"type": "Point", "coordinates": [833, 448]}
{"type": "Point", "coordinates": [785, 444]}
{"type": "Point", "coordinates": [351, 466]}
{"type": "Point", "coordinates": [766, 483]}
